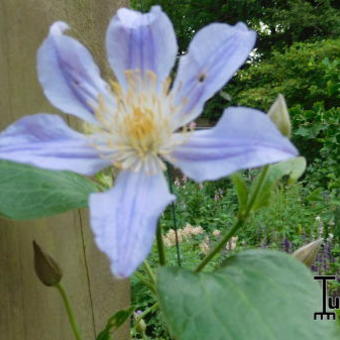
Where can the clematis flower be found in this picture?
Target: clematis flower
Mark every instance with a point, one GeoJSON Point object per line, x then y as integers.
{"type": "Point", "coordinates": [137, 122]}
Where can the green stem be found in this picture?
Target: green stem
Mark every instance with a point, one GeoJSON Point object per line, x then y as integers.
{"type": "Point", "coordinates": [258, 188]}
{"type": "Point", "coordinates": [220, 245]}
{"type": "Point", "coordinates": [173, 212]}
{"type": "Point", "coordinates": [160, 245]}
{"type": "Point", "coordinates": [146, 282]}
{"type": "Point", "coordinates": [149, 271]}
{"type": "Point", "coordinates": [69, 311]}
{"type": "Point", "coordinates": [146, 312]}
{"type": "Point", "coordinates": [239, 223]}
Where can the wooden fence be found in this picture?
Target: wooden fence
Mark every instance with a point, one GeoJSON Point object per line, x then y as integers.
{"type": "Point", "coordinates": [29, 310]}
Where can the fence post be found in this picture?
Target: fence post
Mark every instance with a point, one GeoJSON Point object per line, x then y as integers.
{"type": "Point", "coordinates": [28, 310]}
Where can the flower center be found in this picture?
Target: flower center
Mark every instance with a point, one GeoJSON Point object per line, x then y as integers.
{"type": "Point", "coordinates": [137, 130]}
{"type": "Point", "coordinates": [142, 131]}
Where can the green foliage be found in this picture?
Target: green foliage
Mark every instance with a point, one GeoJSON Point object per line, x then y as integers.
{"type": "Point", "coordinates": [27, 192]}
{"type": "Point", "coordinates": [317, 134]}
{"type": "Point", "coordinates": [293, 168]}
{"type": "Point", "coordinates": [305, 73]}
{"type": "Point", "coordinates": [291, 214]}
{"type": "Point", "coordinates": [291, 220]}
{"type": "Point", "coordinates": [309, 77]}
{"type": "Point", "coordinates": [279, 23]}
{"type": "Point", "coordinates": [200, 204]}
{"type": "Point", "coordinates": [297, 215]}
{"type": "Point", "coordinates": [143, 298]}
{"type": "Point", "coordinates": [242, 191]}
{"type": "Point", "coordinates": [114, 322]}
{"type": "Point", "coordinates": [297, 55]}
{"type": "Point", "coordinates": [247, 295]}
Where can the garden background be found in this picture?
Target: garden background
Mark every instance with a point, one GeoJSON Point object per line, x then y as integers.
{"type": "Point", "coordinates": [296, 55]}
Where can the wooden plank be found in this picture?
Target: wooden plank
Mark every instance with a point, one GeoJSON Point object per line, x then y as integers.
{"type": "Point", "coordinates": [28, 310]}
{"type": "Point", "coordinates": [37, 312]}
{"type": "Point", "coordinates": [105, 290]}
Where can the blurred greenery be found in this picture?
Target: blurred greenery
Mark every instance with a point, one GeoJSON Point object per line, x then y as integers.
{"type": "Point", "coordinates": [297, 215]}
{"type": "Point", "coordinates": [296, 54]}
{"type": "Point", "coordinates": [279, 23]}
{"type": "Point", "coordinates": [308, 74]}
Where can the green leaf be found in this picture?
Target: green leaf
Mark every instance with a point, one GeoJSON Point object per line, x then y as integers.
{"type": "Point", "coordinates": [104, 335]}
{"type": "Point", "coordinates": [257, 294]}
{"type": "Point", "coordinates": [293, 168]}
{"type": "Point", "coordinates": [241, 190]}
{"type": "Point", "coordinates": [120, 317]}
{"type": "Point", "coordinates": [114, 322]}
{"type": "Point", "coordinates": [27, 192]}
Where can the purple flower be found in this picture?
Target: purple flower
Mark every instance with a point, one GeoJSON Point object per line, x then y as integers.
{"type": "Point", "coordinates": [136, 122]}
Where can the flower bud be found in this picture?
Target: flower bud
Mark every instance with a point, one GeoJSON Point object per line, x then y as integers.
{"type": "Point", "coordinates": [47, 270]}
{"type": "Point", "coordinates": [279, 114]}
{"type": "Point", "coordinates": [141, 325]}
{"type": "Point", "coordinates": [307, 253]}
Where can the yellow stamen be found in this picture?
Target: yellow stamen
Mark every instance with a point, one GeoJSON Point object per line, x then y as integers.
{"type": "Point", "coordinates": [137, 130]}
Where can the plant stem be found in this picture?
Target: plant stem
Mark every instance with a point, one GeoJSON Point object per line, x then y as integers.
{"type": "Point", "coordinates": [173, 212]}
{"type": "Point", "coordinates": [239, 223]}
{"type": "Point", "coordinates": [146, 312]}
{"type": "Point", "coordinates": [146, 282]}
{"type": "Point", "coordinates": [69, 311]}
{"type": "Point", "coordinates": [258, 188]}
{"type": "Point", "coordinates": [220, 245]}
{"type": "Point", "coordinates": [149, 271]}
{"type": "Point", "coordinates": [160, 245]}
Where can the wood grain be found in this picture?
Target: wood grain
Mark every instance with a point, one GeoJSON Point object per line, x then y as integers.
{"type": "Point", "coordinates": [29, 310]}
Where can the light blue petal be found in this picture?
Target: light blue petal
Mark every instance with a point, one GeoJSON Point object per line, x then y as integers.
{"type": "Point", "coordinates": [137, 41]}
{"type": "Point", "coordinates": [68, 74]}
{"type": "Point", "coordinates": [46, 141]}
{"type": "Point", "coordinates": [124, 219]}
{"type": "Point", "coordinates": [243, 138]}
{"type": "Point", "coordinates": [215, 54]}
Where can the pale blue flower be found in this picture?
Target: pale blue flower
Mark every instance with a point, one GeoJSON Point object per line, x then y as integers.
{"type": "Point", "coordinates": [136, 122]}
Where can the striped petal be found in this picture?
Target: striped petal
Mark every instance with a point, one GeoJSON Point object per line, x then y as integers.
{"type": "Point", "coordinates": [69, 76]}
{"type": "Point", "coordinates": [124, 219]}
{"type": "Point", "coordinates": [215, 54]}
{"type": "Point", "coordinates": [243, 138]}
{"type": "Point", "coordinates": [141, 42]}
{"type": "Point", "coordinates": [46, 141]}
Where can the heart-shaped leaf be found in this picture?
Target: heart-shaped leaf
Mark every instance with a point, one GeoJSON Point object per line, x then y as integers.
{"type": "Point", "coordinates": [27, 192]}
{"type": "Point", "coordinates": [257, 294]}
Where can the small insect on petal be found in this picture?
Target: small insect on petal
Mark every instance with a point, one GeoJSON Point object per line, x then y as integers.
{"type": "Point", "coordinates": [202, 77]}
